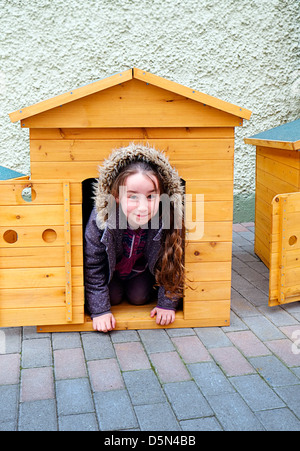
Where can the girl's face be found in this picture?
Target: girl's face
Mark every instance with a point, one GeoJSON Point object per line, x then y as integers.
{"type": "Point", "coordinates": [139, 198]}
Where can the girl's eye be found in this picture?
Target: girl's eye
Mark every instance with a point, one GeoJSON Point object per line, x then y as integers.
{"type": "Point", "coordinates": [133, 197]}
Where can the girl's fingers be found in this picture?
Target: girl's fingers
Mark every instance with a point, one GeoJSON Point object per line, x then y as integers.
{"type": "Point", "coordinates": [163, 317]}
{"type": "Point", "coordinates": [153, 313]}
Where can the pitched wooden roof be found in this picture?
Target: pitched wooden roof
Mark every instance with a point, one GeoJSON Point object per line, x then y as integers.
{"type": "Point", "coordinates": [286, 136]}
{"type": "Point", "coordinates": [121, 77]}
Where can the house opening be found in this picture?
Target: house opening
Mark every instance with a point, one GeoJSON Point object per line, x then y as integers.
{"type": "Point", "coordinates": [88, 186]}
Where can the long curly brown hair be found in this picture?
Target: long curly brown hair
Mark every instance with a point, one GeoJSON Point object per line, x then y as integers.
{"type": "Point", "coordinates": [169, 270]}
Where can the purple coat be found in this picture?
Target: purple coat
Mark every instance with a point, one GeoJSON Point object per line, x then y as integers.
{"type": "Point", "coordinates": [102, 249]}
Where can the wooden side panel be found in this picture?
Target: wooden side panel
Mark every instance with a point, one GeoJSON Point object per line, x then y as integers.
{"type": "Point", "coordinates": [277, 171]}
{"type": "Point", "coordinates": [285, 250]}
{"type": "Point", "coordinates": [132, 104]}
{"type": "Point", "coordinates": [203, 157]}
{"type": "Point", "coordinates": [41, 261]}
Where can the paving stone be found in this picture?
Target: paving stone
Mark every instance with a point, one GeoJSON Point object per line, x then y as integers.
{"type": "Point", "coordinates": [30, 332]}
{"type": "Point", "coordinates": [292, 332]}
{"type": "Point", "coordinates": [169, 367]}
{"type": "Point", "coordinates": [156, 340]}
{"type": "Point", "coordinates": [105, 375]}
{"type": "Point", "coordinates": [274, 371]}
{"type": "Point", "coordinates": [232, 361]}
{"type": "Point", "coordinates": [233, 413]}
{"type": "Point", "coordinates": [157, 417]}
{"type": "Point", "coordinates": [114, 410]}
{"type": "Point", "coordinates": [74, 397]}
{"type": "Point", "coordinates": [297, 316]}
{"type": "Point", "coordinates": [81, 422]}
{"type": "Point", "coordinates": [183, 332]}
{"type": "Point", "coordinates": [187, 401]}
{"type": "Point", "coordinates": [243, 255]}
{"type": "Point", "coordinates": [251, 275]}
{"type": "Point", "coordinates": [132, 356]}
{"type": "Point", "coordinates": [259, 267]}
{"type": "Point", "coordinates": [208, 424]}
{"type": "Point", "coordinates": [248, 343]}
{"type": "Point", "coordinates": [9, 398]}
{"type": "Point", "coordinates": [236, 324]}
{"type": "Point", "coordinates": [296, 371]}
{"type": "Point", "coordinates": [291, 396]}
{"type": "Point", "coordinates": [69, 363]}
{"type": "Point", "coordinates": [213, 337]}
{"type": "Point", "coordinates": [281, 420]}
{"type": "Point", "coordinates": [38, 416]}
{"type": "Point", "coordinates": [292, 308]}
{"type": "Point", "coordinates": [239, 240]}
{"type": "Point", "coordinates": [257, 394]}
{"type": "Point", "coordinates": [97, 346]}
{"type": "Point", "coordinates": [239, 283]}
{"type": "Point", "coordinates": [13, 339]}
{"type": "Point", "coordinates": [210, 379]}
{"type": "Point", "coordinates": [8, 426]}
{"type": "Point", "coordinates": [239, 228]}
{"type": "Point", "coordinates": [191, 349]}
{"type": "Point", "coordinates": [36, 353]}
{"type": "Point", "coordinates": [241, 306]}
{"type": "Point", "coordinates": [9, 369]}
{"type": "Point", "coordinates": [143, 387]}
{"type": "Point", "coordinates": [278, 316]}
{"type": "Point", "coordinates": [263, 328]}
{"type": "Point", "coordinates": [253, 294]}
{"type": "Point", "coordinates": [285, 351]}
{"type": "Point", "coordinates": [66, 340]}
{"type": "Point", "coordinates": [123, 336]}
{"type": "Point", "coordinates": [37, 384]}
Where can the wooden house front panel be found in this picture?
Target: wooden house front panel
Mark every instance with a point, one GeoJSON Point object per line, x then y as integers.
{"type": "Point", "coordinates": [204, 159]}
{"type": "Point", "coordinates": [285, 250]}
{"type": "Point", "coordinates": [41, 264]}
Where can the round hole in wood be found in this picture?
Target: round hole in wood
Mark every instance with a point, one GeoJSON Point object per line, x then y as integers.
{"type": "Point", "coordinates": [28, 194]}
{"type": "Point", "coordinates": [293, 240]}
{"type": "Point", "coordinates": [10, 236]}
{"type": "Point", "coordinates": [49, 235]}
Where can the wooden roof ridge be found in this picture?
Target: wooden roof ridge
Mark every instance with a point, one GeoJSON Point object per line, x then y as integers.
{"type": "Point", "coordinates": [113, 80]}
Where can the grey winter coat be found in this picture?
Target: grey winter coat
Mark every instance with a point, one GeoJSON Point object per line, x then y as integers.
{"type": "Point", "coordinates": [103, 238]}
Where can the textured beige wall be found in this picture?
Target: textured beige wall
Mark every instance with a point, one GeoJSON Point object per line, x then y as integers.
{"type": "Point", "coordinates": [244, 52]}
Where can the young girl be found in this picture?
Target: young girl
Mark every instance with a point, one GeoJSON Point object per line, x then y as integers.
{"type": "Point", "coordinates": [134, 247]}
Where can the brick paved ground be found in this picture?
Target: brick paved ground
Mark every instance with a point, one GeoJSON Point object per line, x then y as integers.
{"type": "Point", "coordinates": [243, 377]}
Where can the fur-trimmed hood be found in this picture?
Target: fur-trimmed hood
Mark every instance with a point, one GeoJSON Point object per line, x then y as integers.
{"type": "Point", "coordinates": [123, 156]}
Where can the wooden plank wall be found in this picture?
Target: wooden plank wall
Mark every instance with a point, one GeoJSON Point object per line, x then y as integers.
{"type": "Point", "coordinates": [32, 254]}
{"type": "Point", "coordinates": [202, 156]}
{"type": "Point", "coordinates": [277, 171]}
{"type": "Point", "coordinates": [285, 250]}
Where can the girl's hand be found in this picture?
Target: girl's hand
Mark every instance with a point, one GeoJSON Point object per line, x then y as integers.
{"type": "Point", "coordinates": [104, 323]}
{"type": "Point", "coordinates": [163, 316]}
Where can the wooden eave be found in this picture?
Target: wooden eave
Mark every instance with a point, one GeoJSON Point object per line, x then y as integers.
{"type": "Point", "coordinates": [285, 136]}
{"type": "Point", "coordinates": [146, 77]}
{"type": "Point", "coordinates": [286, 145]}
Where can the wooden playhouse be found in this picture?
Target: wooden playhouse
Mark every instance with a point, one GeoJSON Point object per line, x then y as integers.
{"type": "Point", "coordinates": [41, 238]}
{"type": "Point", "coordinates": [277, 209]}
